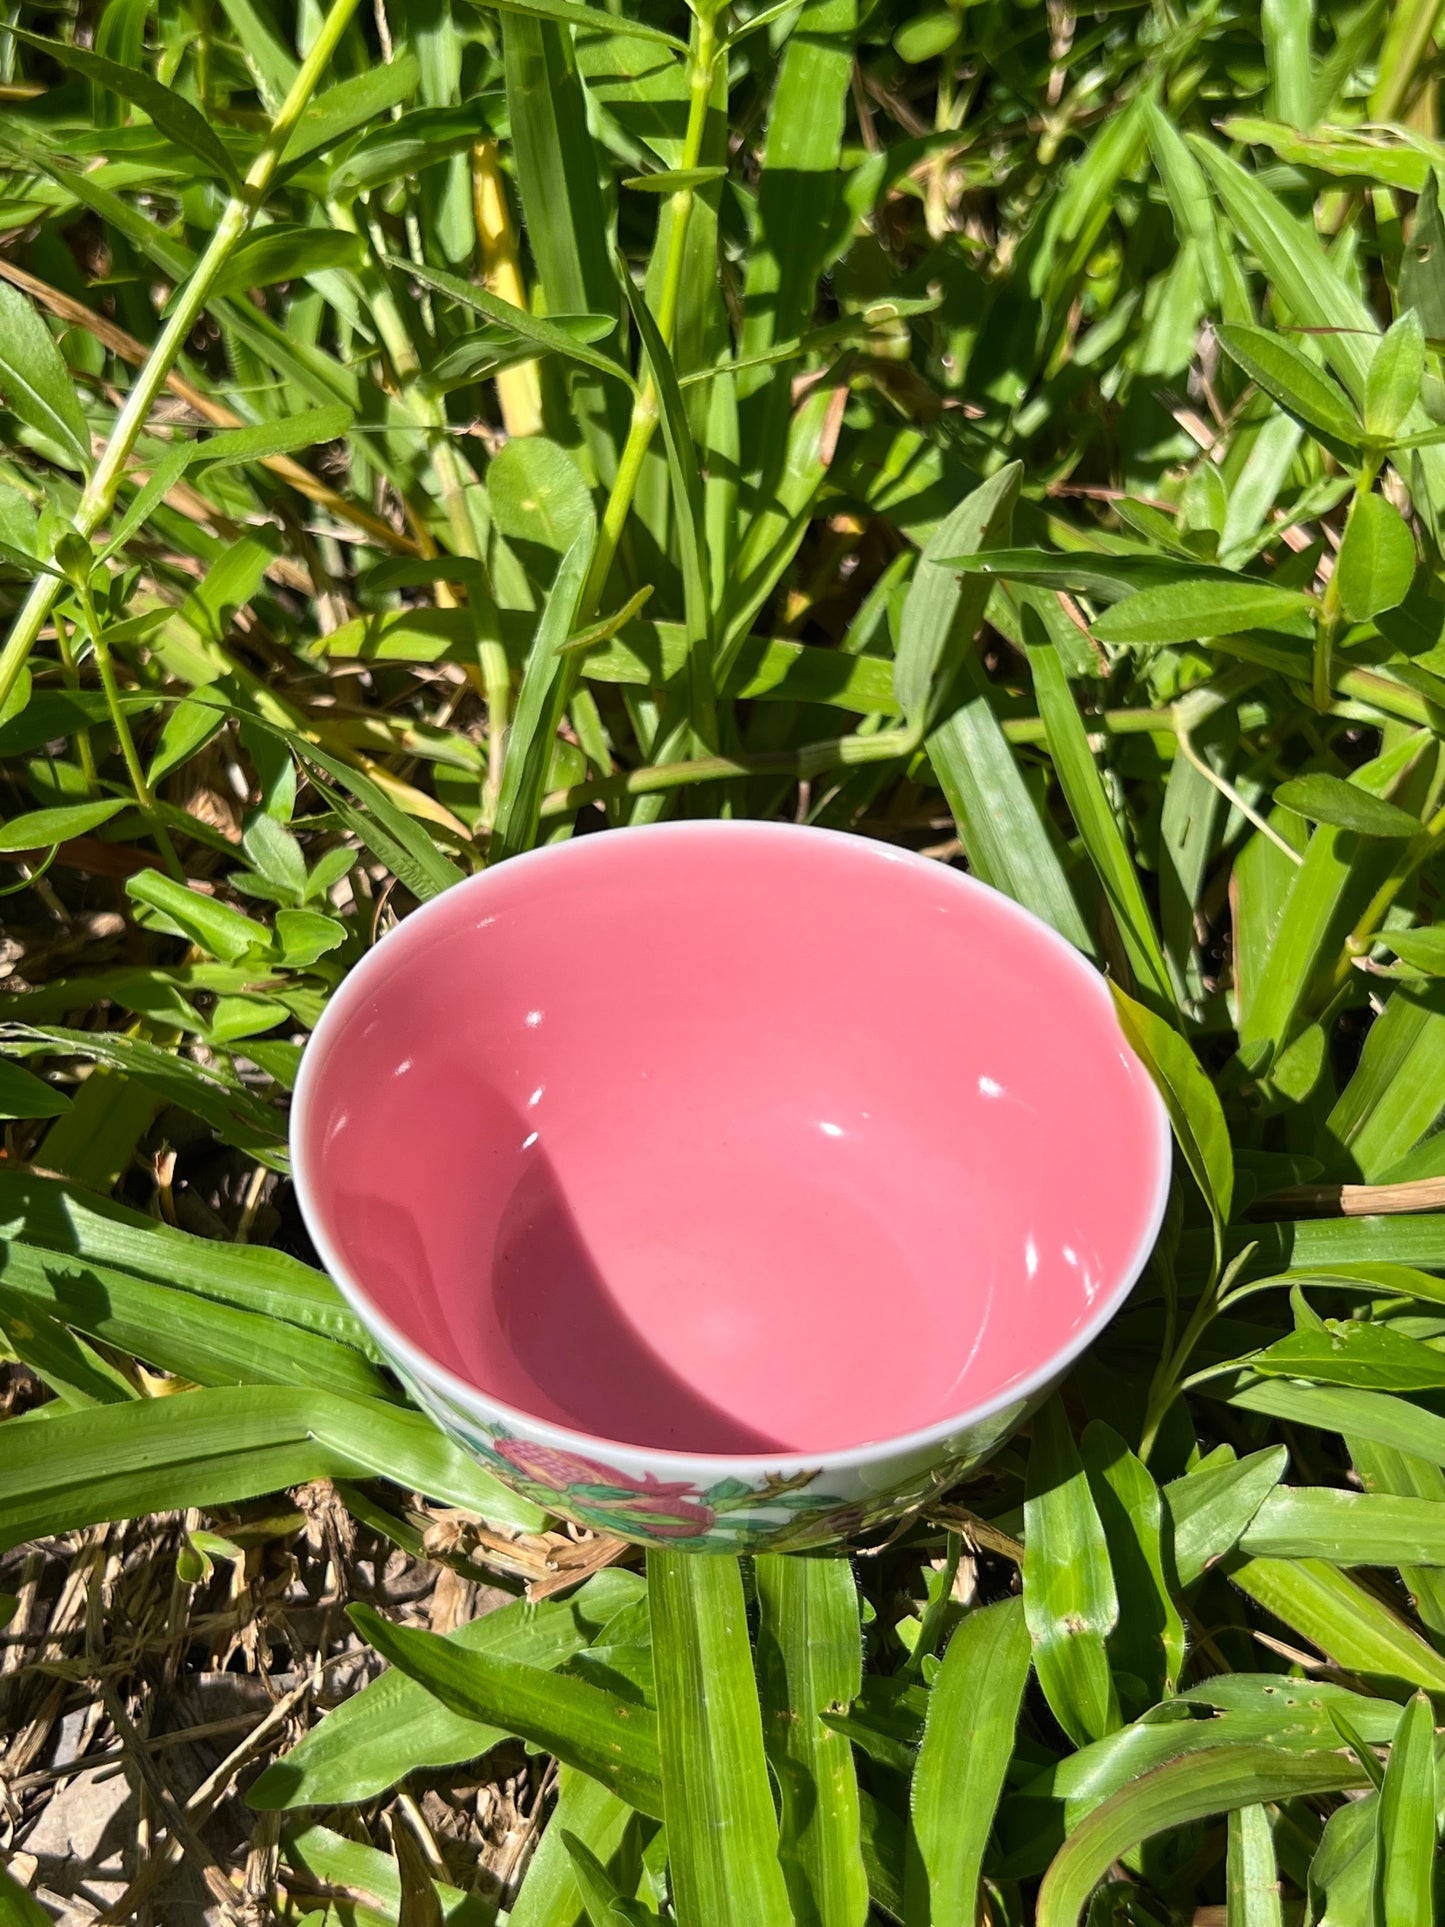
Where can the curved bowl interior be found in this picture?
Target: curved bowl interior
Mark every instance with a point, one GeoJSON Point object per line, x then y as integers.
{"type": "Point", "coordinates": [730, 1139]}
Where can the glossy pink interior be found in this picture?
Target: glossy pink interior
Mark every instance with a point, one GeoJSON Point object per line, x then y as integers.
{"type": "Point", "coordinates": [731, 1139]}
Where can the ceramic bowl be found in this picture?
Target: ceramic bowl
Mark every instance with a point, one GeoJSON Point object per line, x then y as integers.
{"type": "Point", "coordinates": [730, 1185]}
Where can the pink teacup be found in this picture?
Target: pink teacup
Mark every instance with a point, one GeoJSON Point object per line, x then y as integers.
{"type": "Point", "coordinates": [731, 1185]}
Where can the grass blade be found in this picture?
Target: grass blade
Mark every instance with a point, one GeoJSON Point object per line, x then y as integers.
{"type": "Point", "coordinates": [973, 1709]}
{"type": "Point", "coordinates": [810, 1660]}
{"type": "Point", "coordinates": [1070, 1602]}
{"type": "Point", "coordinates": [717, 1805]}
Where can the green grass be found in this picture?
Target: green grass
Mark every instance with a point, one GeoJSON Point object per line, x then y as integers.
{"type": "Point", "coordinates": [1009, 431]}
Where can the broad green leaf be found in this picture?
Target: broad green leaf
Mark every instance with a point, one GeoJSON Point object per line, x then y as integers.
{"type": "Point", "coordinates": [1093, 815]}
{"type": "Point", "coordinates": [394, 1726]}
{"type": "Point", "coordinates": [39, 1211]}
{"type": "Point", "coordinates": [42, 828]}
{"type": "Point", "coordinates": [1217, 1781]}
{"type": "Point", "coordinates": [1347, 1528]}
{"type": "Point", "coordinates": [193, 1337]}
{"type": "Point", "coordinates": [809, 1659]}
{"type": "Point", "coordinates": [717, 1803]}
{"type": "Point", "coordinates": [1201, 608]}
{"type": "Point", "coordinates": [1298, 384]}
{"type": "Point", "coordinates": [1210, 1507]}
{"type": "Point", "coordinates": [1421, 288]}
{"type": "Point", "coordinates": [941, 614]}
{"type": "Point", "coordinates": [537, 494]}
{"type": "Point", "coordinates": [35, 383]}
{"type": "Point", "coordinates": [1347, 1623]}
{"type": "Point", "coordinates": [1251, 1872]}
{"type": "Point", "coordinates": [612, 1739]}
{"type": "Point", "coordinates": [23, 1094]}
{"type": "Point", "coordinates": [1376, 1416]}
{"type": "Point", "coordinates": [1422, 949]}
{"type": "Point", "coordinates": [1070, 1602]}
{"type": "Point", "coordinates": [1376, 562]}
{"type": "Point", "coordinates": [215, 926]}
{"type": "Point", "coordinates": [1327, 799]}
{"type": "Point", "coordinates": [1371, 1357]}
{"type": "Point", "coordinates": [1190, 1099]}
{"type": "Point", "coordinates": [1407, 1820]}
{"type": "Point", "coordinates": [973, 1709]}
{"type": "Point", "coordinates": [350, 104]}
{"type": "Point", "coordinates": [332, 1860]}
{"type": "Point", "coordinates": [224, 1444]}
{"type": "Point", "coordinates": [174, 116]}
{"type": "Point", "coordinates": [1396, 372]}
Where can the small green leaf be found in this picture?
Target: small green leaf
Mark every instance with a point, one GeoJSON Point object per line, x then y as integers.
{"type": "Point", "coordinates": [940, 615]}
{"type": "Point", "coordinates": [306, 935]}
{"type": "Point", "coordinates": [604, 1905]}
{"type": "Point", "coordinates": [1296, 383]}
{"type": "Point", "coordinates": [1396, 372]}
{"type": "Point", "coordinates": [1422, 264]}
{"type": "Point", "coordinates": [577, 15]}
{"type": "Point", "coordinates": [23, 1094]}
{"type": "Point", "coordinates": [1210, 1507]}
{"type": "Point", "coordinates": [285, 252]}
{"type": "Point", "coordinates": [1201, 608]}
{"type": "Point", "coordinates": [1405, 1860]}
{"type": "Point", "coordinates": [1190, 1099]}
{"type": "Point", "coordinates": [927, 36]}
{"type": "Point", "coordinates": [1070, 1602]}
{"type": "Point", "coordinates": [1329, 799]}
{"type": "Point", "coordinates": [35, 383]}
{"type": "Point", "coordinates": [419, 139]}
{"type": "Point", "coordinates": [538, 494]}
{"type": "Point", "coordinates": [1376, 562]}
{"type": "Point", "coordinates": [308, 429]}
{"type": "Point", "coordinates": [42, 828]}
{"type": "Point", "coordinates": [216, 927]}
{"type": "Point", "coordinates": [1422, 949]}
{"type": "Point", "coordinates": [537, 332]}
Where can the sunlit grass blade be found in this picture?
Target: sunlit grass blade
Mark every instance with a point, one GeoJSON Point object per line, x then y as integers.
{"type": "Point", "coordinates": [717, 1803]}
{"type": "Point", "coordinates": [809, 1661]}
